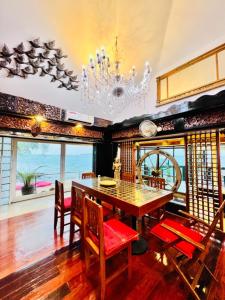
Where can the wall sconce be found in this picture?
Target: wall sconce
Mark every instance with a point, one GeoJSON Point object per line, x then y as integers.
{"type": "Point", "coordinates": [79, 126]}
{"type": "Point", "coordinates": [36, 127]}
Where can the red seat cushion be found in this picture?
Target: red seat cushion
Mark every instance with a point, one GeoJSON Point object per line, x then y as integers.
{"type": "Point", "coordinates": [168, 236]}
{"type": "Point", "coordinates": [43, 183]}
{"type": "Point", "coordinates": [117, 234]}
{"type": "Point", "coordinates": [19, 187]}
{"type": "Point", "coordinates": [67, 202]}
{"type": "Point", "coordinates": [106, 211]}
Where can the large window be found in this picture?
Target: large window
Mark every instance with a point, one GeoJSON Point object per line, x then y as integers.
{"type": "Point", "coordinates": [38, 164]}
{"type": "Point", "coordinates": [78, 159]}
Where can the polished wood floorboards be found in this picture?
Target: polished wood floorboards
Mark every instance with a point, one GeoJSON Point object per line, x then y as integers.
{"type": "Point", "coordinates": [35, 263]}
{"type": "Point", "coordinates": [28, 238]}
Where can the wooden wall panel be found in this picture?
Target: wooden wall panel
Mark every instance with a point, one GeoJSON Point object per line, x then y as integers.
{"type": "Point", "coordinates": [127, 158]}
{"type": "Point", "coordinates": [204, 188]}
{"type": "Point", "coordinates": [63, 129]}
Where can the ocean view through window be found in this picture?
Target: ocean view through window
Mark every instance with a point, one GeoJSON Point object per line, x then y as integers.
{"type": "Point", "coordinates": [39, 164]}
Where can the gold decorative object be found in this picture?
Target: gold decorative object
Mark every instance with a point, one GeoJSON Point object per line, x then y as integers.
{"type": "Point", "coordinates": [117, 168]}
{"type": "Point", "coordinates": [107, 183]}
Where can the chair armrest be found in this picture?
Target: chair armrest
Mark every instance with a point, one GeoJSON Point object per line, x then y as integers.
{"type": "Point", "coordinates": [184, 237]}
{"type": "Point", "coordinates": [193, 217]}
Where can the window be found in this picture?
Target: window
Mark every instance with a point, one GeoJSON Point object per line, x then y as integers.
{"type": "Point", "coordinates": [5, 167]}
{"type": "Point", "coordinates": [78, 159]}
{"type": "Point", "coordinates": [39, 164]}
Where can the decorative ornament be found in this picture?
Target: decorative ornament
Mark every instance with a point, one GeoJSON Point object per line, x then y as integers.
{"type": "Point", "coordinates": [103, 84]}
{"type": "Point", "coordinates": [39, 58]}
{"type": "Point", "coordinates": [117, 168]}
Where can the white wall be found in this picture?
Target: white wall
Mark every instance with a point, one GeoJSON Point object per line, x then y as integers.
{"type": "Point", "coordinates": [194, 27]}
{"type": "Point", "coordinates": [79, 28]}
{"type": "Point", "coordinates": [165, 32]}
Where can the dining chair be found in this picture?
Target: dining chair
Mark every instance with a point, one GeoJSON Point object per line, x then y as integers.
{"type": "Point", "coordinates": [160, 183]}
{"type": "Point", "coordinates": [191, 243]}
{"type": "Point", "coordinates": [77, 208]}
{"type": "Point", "coordinates": [87, 175]}
{"type": "Point", "coordinates": [104, 240]}
{"type": "Point", "coordinates": [62, 206]}
{"type": "Point", "coordinates": [157, 182]}
{"type": "Point", "coordinates": [108, 210]}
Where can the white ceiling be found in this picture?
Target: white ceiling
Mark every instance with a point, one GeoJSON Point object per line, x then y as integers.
{"type": "Point", "coordinates": [164, 32]}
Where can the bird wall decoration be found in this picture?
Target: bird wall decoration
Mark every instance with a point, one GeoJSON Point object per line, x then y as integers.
{"type": "Point", "coordinates": [41, 58]}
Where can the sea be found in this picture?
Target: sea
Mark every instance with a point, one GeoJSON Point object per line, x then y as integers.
{"type": "Point", "coordinates": [48, 166]}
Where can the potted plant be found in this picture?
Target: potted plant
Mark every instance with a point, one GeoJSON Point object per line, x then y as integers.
{"type": "Point", "coordinates": [27, 178]}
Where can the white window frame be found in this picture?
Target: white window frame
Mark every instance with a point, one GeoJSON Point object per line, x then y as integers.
{"type": "Point", "coordinates": [13, 197]}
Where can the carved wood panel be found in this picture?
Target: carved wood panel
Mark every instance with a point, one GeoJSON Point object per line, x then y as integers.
{"type": "Point", "coordinates": [20, 124]}
{"type": "Point", "coordinates": [204, 188]}
{"type": "Point", "coordinates": [127, 158]}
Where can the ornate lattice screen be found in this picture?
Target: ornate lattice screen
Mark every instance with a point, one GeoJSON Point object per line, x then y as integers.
{"type": "Point", "coordinates": [204, 190]}
{"type": "Point", "coordinates": [127, 158]}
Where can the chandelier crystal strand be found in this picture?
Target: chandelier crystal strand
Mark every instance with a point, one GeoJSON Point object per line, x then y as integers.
{"type": "Point", "coordinates": [103, 84]}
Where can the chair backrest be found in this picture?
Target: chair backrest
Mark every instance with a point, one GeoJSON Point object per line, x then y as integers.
{"type": "Point", "coordinates": [157, 182]}
{"type": "Point", "coordinates": [128, 177]}
{"type": "Point", "coordinates": [88, 175]}
{"type": "Point", "coordinates": [77, 205]}
{"type": "Point", "coordinates": [93, 225]}
{"type": "Point", "coordinates": [59, 194]}
{"type": "Point", "coordinates": [212, 227]}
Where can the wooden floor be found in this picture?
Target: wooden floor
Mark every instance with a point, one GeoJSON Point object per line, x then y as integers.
{"type": "Point", "coordinates": [26, 239]}
{"type": "Point", "coordinates": [36, 264]}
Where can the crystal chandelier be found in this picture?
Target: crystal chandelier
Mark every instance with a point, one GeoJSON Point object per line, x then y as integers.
{"type": "Point", "coordinates": [103, 84]}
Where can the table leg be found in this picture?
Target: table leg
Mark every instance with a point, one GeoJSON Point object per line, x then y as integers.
{"type": "Point", "coordinates": [140, 246]}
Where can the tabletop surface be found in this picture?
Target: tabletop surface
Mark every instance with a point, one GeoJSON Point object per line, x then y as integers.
{"type": "Point", "coordinates": [131, 193]}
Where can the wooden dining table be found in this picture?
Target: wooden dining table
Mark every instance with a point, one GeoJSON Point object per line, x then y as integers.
{"type": "Point", "coordinates": [135, 199]}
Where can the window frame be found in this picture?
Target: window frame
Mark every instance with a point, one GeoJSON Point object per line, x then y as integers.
{"type": "Point", "coordinates": [13, 197]}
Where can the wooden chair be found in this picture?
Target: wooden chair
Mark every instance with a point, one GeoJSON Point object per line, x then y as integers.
{"type": "Point", "coordinates": [62, 206]}
{"type": "Point", "coordinates": [104, 240]}
{"type": "Point", "coordinates": [157, 182]}
{"type": "Point", "coordinates": [108, 210]}
{"type": "Point", "coordinates": [88, 175]}
{"type": "Point", "coordinates": [191, 246]}
{"type": "Point", "coordinates": [76, 218]}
